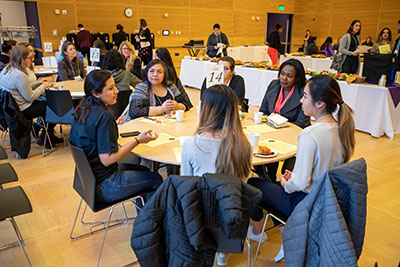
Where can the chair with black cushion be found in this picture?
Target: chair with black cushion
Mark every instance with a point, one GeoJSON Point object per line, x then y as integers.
{"type": "Point", "coordinates": [7, 174]}
{"type": "Point", "coordinates": [59, 110]}
{"type": "Point", "coordinates": [14, 202]}
{"type": "Point", "coordinates": [85, 186]}
{"type": "Point", "coordinates": [122, 102]}
{"type": "Point", "coordinates": [274, 214]}
{"type": "Point", "coordinates": [3, 153]}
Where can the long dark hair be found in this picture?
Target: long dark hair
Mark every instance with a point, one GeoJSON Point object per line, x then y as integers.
{"type": "Point", "coordinates": [219, 112]}
{"type": "Point", "coordinates": [94, 83]}
{"type": "Point", "coordinates": [151, 64]}
{"type": "Point", "coordinates": [300, 73]}
{"type": "Point", "coordinates": [164, 55]}
{"type": "Point", "coordinates": [327, 43]}
{"type": "Point", "coordinates": [350, 30]}
{"type": "Point", "coordinates": [113, 61]}
{"type": "Point", "coordinates": [326, 89]}
{"type": "Point", "coordinates": [64, 49]}
{"type": "Point", "coordinates": [380, 35]}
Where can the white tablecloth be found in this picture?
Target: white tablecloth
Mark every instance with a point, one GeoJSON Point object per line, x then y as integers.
{"type": "Point", "coordinates": [249, 53]}
{"type": "Point", "coordinates": [374, 111]}
{"type": "Point", "coordinates": [315, 64]}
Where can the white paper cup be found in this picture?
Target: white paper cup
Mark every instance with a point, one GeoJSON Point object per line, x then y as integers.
{"type": "Point", "coordinates": [258, 117]}
{"type": "Point", "coordinates": [60, 86]}
{"type": "Point", "coordinates": [179, 115]}
{"type": "Point", "coordinates": [254, 138]}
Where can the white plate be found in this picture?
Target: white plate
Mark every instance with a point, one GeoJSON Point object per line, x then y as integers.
{"type": "Point", "coordinates": [274, 153]}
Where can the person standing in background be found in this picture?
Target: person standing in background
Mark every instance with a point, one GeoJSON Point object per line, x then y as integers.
{"type": "Point", "coordinates": [119, 36]}
{"type": "Point", "coordinates": [144, 38]}
{"type": "Point", "coordinates": [275, 46]}
{"type": "Point", "coordinates": [385, 38]}
{"type": "Point", "coordinates": [215, 40]}
{"type": "Point", "coordinates": [84, 41]}
{"type": "Point", "coordinates": [306, 38]}
{"type": "Point", "coordinates": [396, 49]}
{"type": "Point", "coordinates": [348, 46]}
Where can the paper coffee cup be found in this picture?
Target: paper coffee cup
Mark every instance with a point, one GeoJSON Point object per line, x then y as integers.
{"type": "Point", "coordinates": [60, 86]}
{"type": "Point", "coordinates": [254, 138]}
{"type": "Point", "coordinates": [179, 115]}
{"type": "Point", "coordinates": [258, 117]}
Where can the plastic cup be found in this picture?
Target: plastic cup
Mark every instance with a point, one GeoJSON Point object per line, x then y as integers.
{"type": "Point", "coordinates": [179, 115]}
{"type": "Point", "coordinates": [258, 117]}
{"type": "Point", "coordinates": [254, 138]}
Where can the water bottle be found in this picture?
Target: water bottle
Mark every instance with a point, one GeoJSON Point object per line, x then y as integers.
{"type": "Point", "coordinates": [382, 80]}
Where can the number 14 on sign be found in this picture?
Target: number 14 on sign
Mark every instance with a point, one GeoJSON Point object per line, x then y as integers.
{"type": "Point", "coordinates": [215, 75]}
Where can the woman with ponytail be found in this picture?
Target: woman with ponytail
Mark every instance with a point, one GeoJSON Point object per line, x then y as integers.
{"type": "Point", "coordinates": [328, 143]}
{"type": "Point", "coordinates": [95, 131]}
{"type": "Point", "coordinates": [219, 145]}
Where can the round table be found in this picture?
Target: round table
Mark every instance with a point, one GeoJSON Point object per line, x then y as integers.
{"type": "Point", "coordinates": [165, 153]}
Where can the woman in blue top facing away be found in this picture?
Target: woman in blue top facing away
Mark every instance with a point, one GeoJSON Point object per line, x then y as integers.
{"type": "Point", "coordinates": [95, 131]}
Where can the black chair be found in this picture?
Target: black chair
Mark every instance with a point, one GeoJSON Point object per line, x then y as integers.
{"type": "Point", "coordinates": [14, 202]}
{"type": "Point", "coordinates": [122, 102]}
{"type": "Point", "coordinates": [59, 111]}
{"type": "Point", "coordinates": [85, 186]}
{"type": "Point", "coordinates": [7, 174]}
{"type": "Point", "coordinates": [3, 153]}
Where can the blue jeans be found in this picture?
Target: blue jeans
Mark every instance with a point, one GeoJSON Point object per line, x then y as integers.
{"type": "Point", "coordinates": [128, 180]}
{"type": "Point", "coordinates": [275, 196]}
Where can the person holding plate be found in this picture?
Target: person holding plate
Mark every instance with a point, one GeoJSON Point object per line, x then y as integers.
{"type": "Point", "coordinates": [217, 41]}
{"type": "Point", "coordinates": [156, 95]}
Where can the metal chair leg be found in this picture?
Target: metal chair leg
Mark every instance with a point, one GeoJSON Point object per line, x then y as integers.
{"type": "Point", "coordinates": [259, 241]}
{"type": "Point", "coordinates": [47, 137]}
{"type": "Point", "coordinates": [20, 240]}
{"type": "Point", "coordinates": [76, 217]}
{"type": "Point", "coordinates": [104, 237]}
{"type": "Point", "coordinates": [248, 250]}
{"type": "Point", "coordinates": [126, 216]}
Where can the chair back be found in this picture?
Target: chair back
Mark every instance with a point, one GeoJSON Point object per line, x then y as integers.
{"type": "Point", "coordinates": [59, 107]}
{"type": "Point", "coordinates": [84, 179]}
{"type": "Point", "coordinates": [122, 102]}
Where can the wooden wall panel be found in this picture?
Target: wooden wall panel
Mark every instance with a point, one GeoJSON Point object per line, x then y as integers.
{"type": "Point", "coordinates": [388, 19]}
{"type": "Point", "coordinates": [202, 21]}
{"type": "Point", "coordinates": [245, 26]}
{"type": "Point", "coordinates": [221, 7]}
{"type": "Point", "coordinates": [169, 3]}
{"type": "Point", "coordinates": [104, 18]}
{"type": "Point", "coordinates": [251, 5]}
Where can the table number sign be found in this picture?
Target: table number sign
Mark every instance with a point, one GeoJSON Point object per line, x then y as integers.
{"type": "Point", "coordinates": [95, 54]}
{"type": "Point", "coordinates": [215, 74]}
{"type": "Point", "coordinates": [48, 47]}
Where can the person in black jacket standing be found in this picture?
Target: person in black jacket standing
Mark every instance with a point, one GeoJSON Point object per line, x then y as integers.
{"type": "Point", "coordinates": [274, 39]}
{"type": "Point", "coordinates": [119, 36]}
{"type": "Point", "coordinates": [215, 40]}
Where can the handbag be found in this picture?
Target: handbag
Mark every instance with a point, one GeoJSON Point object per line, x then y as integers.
{"type": "Point", "coordinates": [377, 64]}
{"type": "Point", "coordinates": [337, 62]}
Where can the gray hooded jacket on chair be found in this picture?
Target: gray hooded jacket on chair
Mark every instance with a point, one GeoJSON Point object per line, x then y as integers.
{"type": "Point", "coordinates": [173, 227]}
{"type": "Point", "coordinates": [327, 227]}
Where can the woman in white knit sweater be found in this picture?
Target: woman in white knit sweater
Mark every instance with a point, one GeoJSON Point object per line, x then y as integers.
{"type": "Point", "coordinates": [14, 79]}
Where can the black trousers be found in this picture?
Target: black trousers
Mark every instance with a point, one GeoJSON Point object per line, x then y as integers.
{"type": "Point", "coordinates": [86, 53]}
{"type": "Point", "coordinates": [38, 109]}
{"type": "Point", "coordinates": [274, 196]}
{"type": "Point", "coordinates": [350, 65]}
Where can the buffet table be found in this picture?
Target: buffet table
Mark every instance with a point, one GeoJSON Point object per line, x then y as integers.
{"type": "Point", "coordinates": [315, 64]}
{"type": "Point", "coordinates": [249, 53]}
{"type": "Point", "coordinates": [374, 110]}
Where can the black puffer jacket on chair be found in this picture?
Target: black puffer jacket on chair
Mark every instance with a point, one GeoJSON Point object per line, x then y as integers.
{"type": "Point", "coordinates": [173, 227]}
